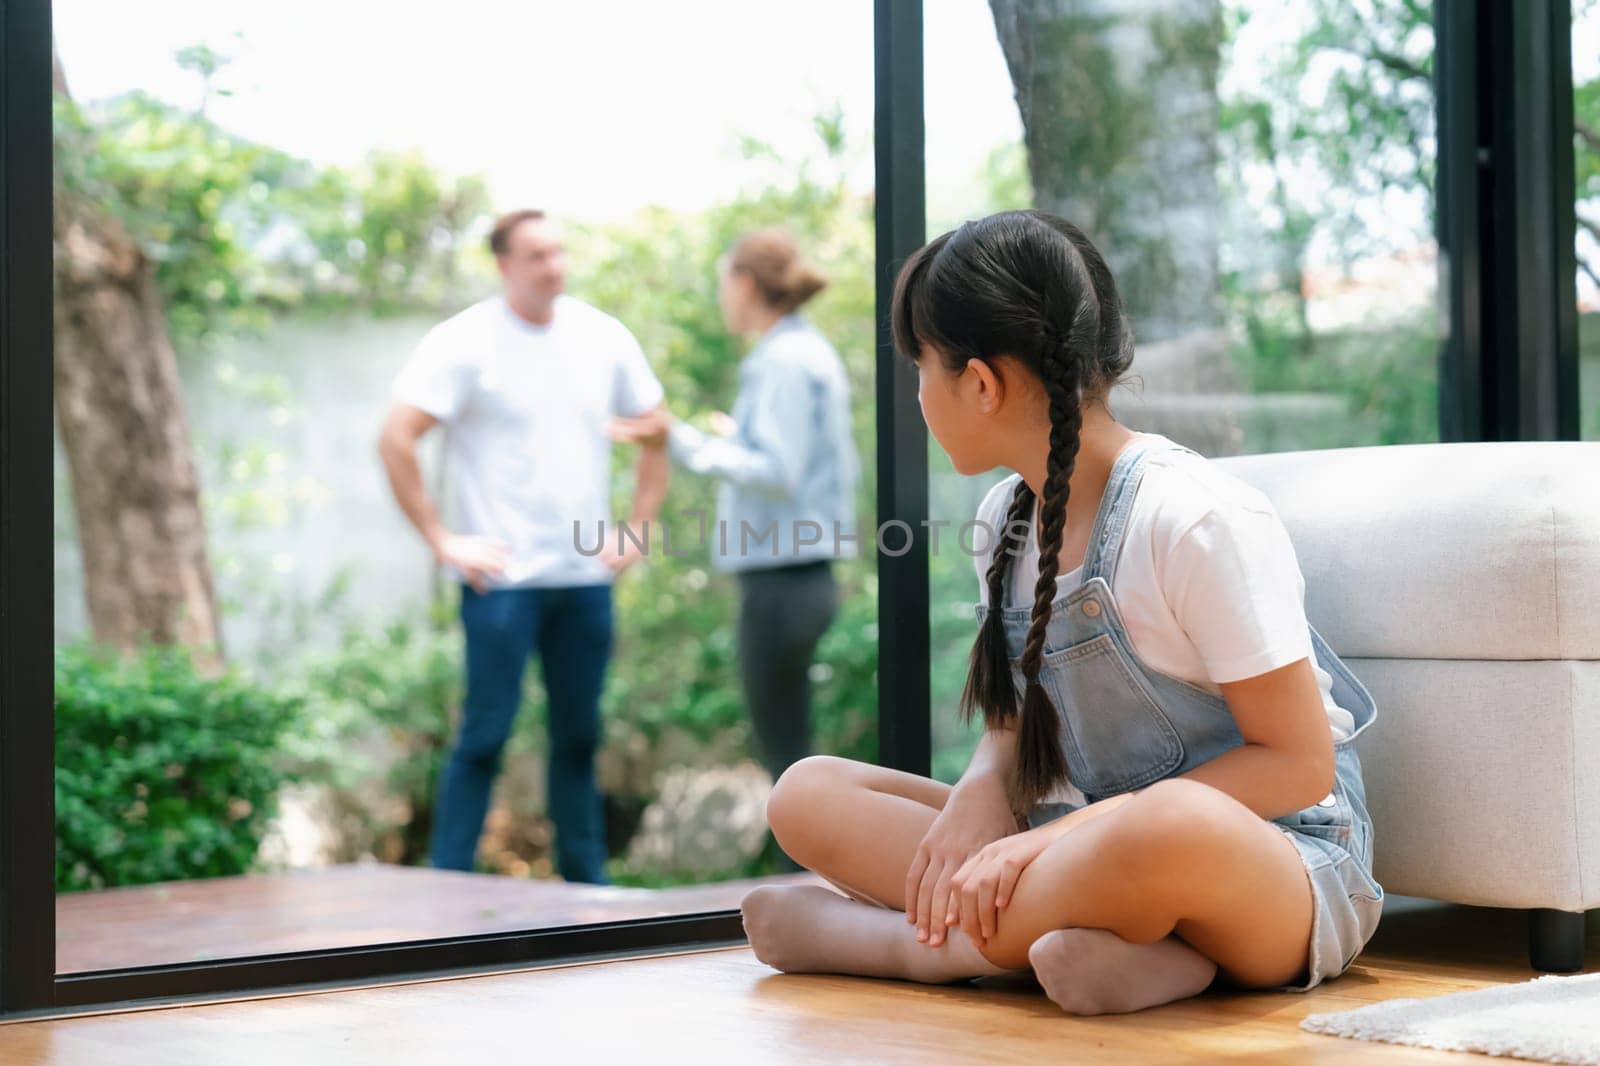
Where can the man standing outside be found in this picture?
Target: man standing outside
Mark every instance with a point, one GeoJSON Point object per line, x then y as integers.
{"type": "Point", "coordinates": [524, 383]}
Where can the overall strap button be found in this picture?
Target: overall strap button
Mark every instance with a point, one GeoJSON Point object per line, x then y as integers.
{"type": "Point", "coordinates": [1091, 608]}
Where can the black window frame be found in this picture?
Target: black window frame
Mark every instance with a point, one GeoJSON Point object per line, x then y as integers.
{"type": "Point", "coordinates": [1507, 371]}
{"type": "Point", "coordinates": [1506, 220]}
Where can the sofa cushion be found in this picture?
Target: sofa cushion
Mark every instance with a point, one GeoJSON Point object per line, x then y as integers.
{"type": "Point", "coordinates": [1444, 551]}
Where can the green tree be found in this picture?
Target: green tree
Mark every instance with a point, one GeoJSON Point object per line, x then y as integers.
{"type": "Point", "coordinates": [1338, 121]}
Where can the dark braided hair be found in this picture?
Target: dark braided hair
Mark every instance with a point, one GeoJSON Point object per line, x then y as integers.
{"type": "Point", "coordinates": [1029, 285]}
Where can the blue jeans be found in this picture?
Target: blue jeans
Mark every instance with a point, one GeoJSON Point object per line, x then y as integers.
{"type": "Point", "coordinates": [571, 628]}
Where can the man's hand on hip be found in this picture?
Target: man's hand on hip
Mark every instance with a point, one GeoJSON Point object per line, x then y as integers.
{"type": "Point", "coordinates": [480, 559]}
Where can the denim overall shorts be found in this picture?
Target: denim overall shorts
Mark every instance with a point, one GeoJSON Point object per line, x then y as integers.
{"type": "Point", "coordinates": [1125, 726]}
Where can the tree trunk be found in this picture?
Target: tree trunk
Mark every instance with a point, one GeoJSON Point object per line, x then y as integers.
{"type": "Point", "coordinates": [1119, 114]}
{"type": "Point", "coordinates": [119, 409]}
{"type": "Point", "coordinates": [1119, 110]}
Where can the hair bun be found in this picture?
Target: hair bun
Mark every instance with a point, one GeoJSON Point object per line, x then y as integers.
{"type": "Point", "coordinates": [771, 258]}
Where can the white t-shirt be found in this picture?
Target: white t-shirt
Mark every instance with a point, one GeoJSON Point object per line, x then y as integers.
{"type": "Point", "coordinates": [524, 408]}
{"type": "Point", "coordinates": [1208, 585]}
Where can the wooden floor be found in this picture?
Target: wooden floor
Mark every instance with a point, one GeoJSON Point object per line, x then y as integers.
{"type": "Point", "coordinates": [725, 1006]}
{"type": "Point", "coordinates": [343, 906]}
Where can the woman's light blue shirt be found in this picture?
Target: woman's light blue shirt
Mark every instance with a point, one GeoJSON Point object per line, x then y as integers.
{"type": "Point", "coordinates": [789, 473]}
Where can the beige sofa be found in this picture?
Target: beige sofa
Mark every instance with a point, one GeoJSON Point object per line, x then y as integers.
{"type": "Point", "coordinates": [1461, 582]}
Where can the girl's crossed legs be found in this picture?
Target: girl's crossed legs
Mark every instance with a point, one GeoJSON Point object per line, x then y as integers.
{"type": "Point", "coordinates": [1146, 898]}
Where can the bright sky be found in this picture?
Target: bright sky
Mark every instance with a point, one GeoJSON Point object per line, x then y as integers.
{"type": "Point", "coordinates": [593, 109]}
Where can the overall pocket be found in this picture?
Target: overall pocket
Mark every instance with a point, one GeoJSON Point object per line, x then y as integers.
{"type": "Point", "coordinates": [1114, 734]}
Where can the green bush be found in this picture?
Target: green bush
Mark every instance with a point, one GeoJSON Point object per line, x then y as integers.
{"type": "Point", "coordinates": [379, 710]}
{"type": "Point", "coordinates": [162, 773]}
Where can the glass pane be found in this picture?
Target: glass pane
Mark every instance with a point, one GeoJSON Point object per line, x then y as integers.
{"type": "Point", "coordinates": [270, 208]}
{"type": "Point", "coordinates": [1586, 164]}
{"type": "Point", "coordinates": [1259, 176]}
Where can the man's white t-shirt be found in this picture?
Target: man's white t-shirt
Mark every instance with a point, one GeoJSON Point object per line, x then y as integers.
{"type": "Point", "coordinates": [1208, 585]}
{"type": "Point", "coordinates": [524, 408]}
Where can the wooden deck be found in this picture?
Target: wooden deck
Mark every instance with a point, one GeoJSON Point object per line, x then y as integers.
{"type": "Point", "coordinates": [344, 906]}
{"type": "Point", "coordinates": [725, 1006]}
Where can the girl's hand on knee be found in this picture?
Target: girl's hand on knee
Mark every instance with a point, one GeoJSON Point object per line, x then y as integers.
{"type": "Point", "coordinates": [928, 889]}
{"type": "Point", "coordinates": [983, 886]}
{"type": "Point", "coordinates": [976, 813]}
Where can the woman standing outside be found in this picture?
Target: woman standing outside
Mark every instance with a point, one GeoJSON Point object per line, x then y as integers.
{"type": "Point", "coordinates": [788, 470]}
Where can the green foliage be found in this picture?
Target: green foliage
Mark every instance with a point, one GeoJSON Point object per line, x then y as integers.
{"type": "Point", "coordinates": [1338, 119]}
{"type": "Point", "coordinates": [844, 682]}
{"type": "Point", "coordinates": [393, 233]}
{"type": "Point", "coordinates": [1003, 181]}
{"type": "Point", "coordinates": [195, 198]}
{"type": "Point", "coordinates": [380, 713]}
{"type": "Point", "coordinates": [1586, 146]}
{"type": "Point", "coordinates": [1374, 129]}
{"type": "Point", "coordinates": [1349, 102]}
{"type": "Point", "coordinates": [207, 63]}
{"type": "Point", "coordinates": [1387, 378]}
{"type": "Point", "coordinates": [162, 773]}
{"type": "Point", "coordinates": [240, 231]}
{"type": "Point", "coordinates": [952, 630]}
{"type": "Point", "coordinates": [1586, 138]}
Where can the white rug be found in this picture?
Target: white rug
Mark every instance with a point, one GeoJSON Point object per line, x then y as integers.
{"type": "Point", "coordinates": [1550, 1019]}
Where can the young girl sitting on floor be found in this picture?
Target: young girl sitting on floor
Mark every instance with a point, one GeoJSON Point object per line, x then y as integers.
{"type": "Point", "coordinates": [1159, 714]}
